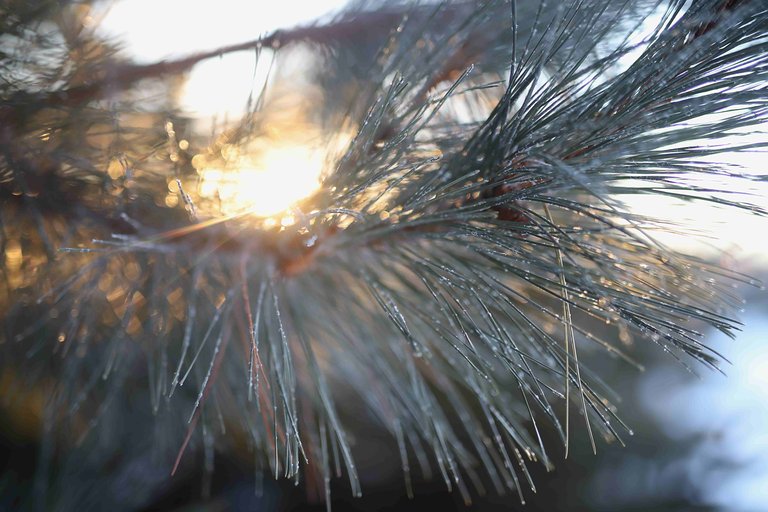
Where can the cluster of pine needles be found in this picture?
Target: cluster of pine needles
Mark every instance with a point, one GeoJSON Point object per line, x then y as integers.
{"type": "Point", "coordinates": [465, 249]}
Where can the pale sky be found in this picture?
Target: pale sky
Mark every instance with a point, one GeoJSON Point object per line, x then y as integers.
{"type": "Point", "coordinates": [152, 30]}
{"type": "Point", "coordinates": [155, 29]}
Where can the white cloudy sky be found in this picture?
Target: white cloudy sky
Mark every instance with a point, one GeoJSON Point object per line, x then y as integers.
{"type": "Point", "coordinates": [181, 27]}
{"type": "Point", "coordinates": [154, 29]}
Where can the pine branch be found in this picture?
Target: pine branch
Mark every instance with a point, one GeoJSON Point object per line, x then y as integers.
{"type": "Point", "coordinates": [453, 274]}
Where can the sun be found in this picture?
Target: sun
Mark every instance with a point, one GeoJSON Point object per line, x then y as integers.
{"type": "Point", "coordinates": [266, 185]}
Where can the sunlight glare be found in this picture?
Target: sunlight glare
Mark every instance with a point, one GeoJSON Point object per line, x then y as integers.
{"type": "Point", "coordinates": [267, 185]}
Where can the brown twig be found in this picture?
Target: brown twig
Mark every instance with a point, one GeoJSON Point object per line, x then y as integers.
{"type": "Point", "coordinates": [123, 76]}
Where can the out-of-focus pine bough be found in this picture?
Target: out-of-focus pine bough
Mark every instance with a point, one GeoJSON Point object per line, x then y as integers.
{"type": "Point", "coordinates": [443, 279]}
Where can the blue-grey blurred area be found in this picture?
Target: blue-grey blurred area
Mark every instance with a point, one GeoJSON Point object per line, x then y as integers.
{"type": "Point", "coordinates": [704, 440]}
